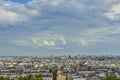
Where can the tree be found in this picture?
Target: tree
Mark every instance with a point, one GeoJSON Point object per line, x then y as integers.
{"type": "Point", "coordinates": [54, 72]}
{"type": "Point", "coordinates": [32, 77]}
{"type": "Point", "coordinates": [5, 78]}
{"type": "Point", "coordinates": [112, 77]}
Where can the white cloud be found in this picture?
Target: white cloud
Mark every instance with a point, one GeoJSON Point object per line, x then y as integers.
{"type": "Point", "coordinates": [55, 48]}
{"type": "Point", "coordinates": [88, 41]}
{"type": "Point", "coordinates": [10, 17]}
{"type": "Point", "coordinates": [63, 40]}
{"type": "Point", "coordinates": [49, 41]}
{"type": "Point", "coordinates": [22, 43]}
{"type": "Point", "coordinates": [56, 5]}
{"type": "Point", "coordinates": [99, 35]}
{"type": "Point", "coordinates": [107, 30]}
{"type": "Point", "coordinates": [53, 2]}
{"type": "Point", "coordinates": [80, 23]}
{"type": "Point", "coordinates": [83, 42]}
{"type": "Point", "coordinates": [13, 13]}
{"type": "Point", "coordinates": [114, 12]}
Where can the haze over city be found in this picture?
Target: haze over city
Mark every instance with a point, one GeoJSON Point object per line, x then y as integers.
{"type": "Point", "coordinates": [59, 27]}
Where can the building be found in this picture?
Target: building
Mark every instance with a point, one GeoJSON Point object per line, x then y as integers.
{"type": "Point", "coordinates": [64, 77]}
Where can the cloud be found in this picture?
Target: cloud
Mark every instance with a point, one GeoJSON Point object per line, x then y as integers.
{"type": "Point", "coordinates": [83, 42]}
{"type": "Point", "coordinates": [38, 42]}
{"type": "Point", "coordinates": [114, 12]}
{"type": "Point", "coordinates": [71, 26]}
{"type": "Point", "coordinates": [13, 13]}
{"type": "Point", "coordinates": [48, 41]}
{"type": "Point", "coordinates": [57, 3]}
{"type": "Point", "coordinates": [50, 10]}
{"type": "Point", "coordinates": [10, 17]}
{"type": "Point", "coordinates": [22, 43]}
{"type": "Point", "coordinates": [63, 40]}
{"type": "Point", "coordinates": [95, 36]}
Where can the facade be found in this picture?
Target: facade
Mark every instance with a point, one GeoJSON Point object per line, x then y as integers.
{"type": "Point", "coordinates": [48, 76]}
{"type": "Point", "coordinates": [64, 77]}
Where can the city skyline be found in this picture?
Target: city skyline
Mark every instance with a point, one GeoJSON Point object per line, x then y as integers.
{"type": "Point", "coordinates": [58, 27]}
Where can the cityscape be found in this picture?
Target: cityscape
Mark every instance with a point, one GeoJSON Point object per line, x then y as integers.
{"type": "Point", "coordinates": [59, 39]}
{"type": "Point", "coordinates": [66, 67]}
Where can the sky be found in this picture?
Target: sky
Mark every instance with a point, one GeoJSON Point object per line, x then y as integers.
{"type": "Point", "coordinates": [59, 27]}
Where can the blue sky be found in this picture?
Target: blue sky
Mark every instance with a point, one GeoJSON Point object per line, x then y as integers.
{"type": "Point", "coordinates": [59, 27]}
{"type": "Point", "coordinates": [19, 1]}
